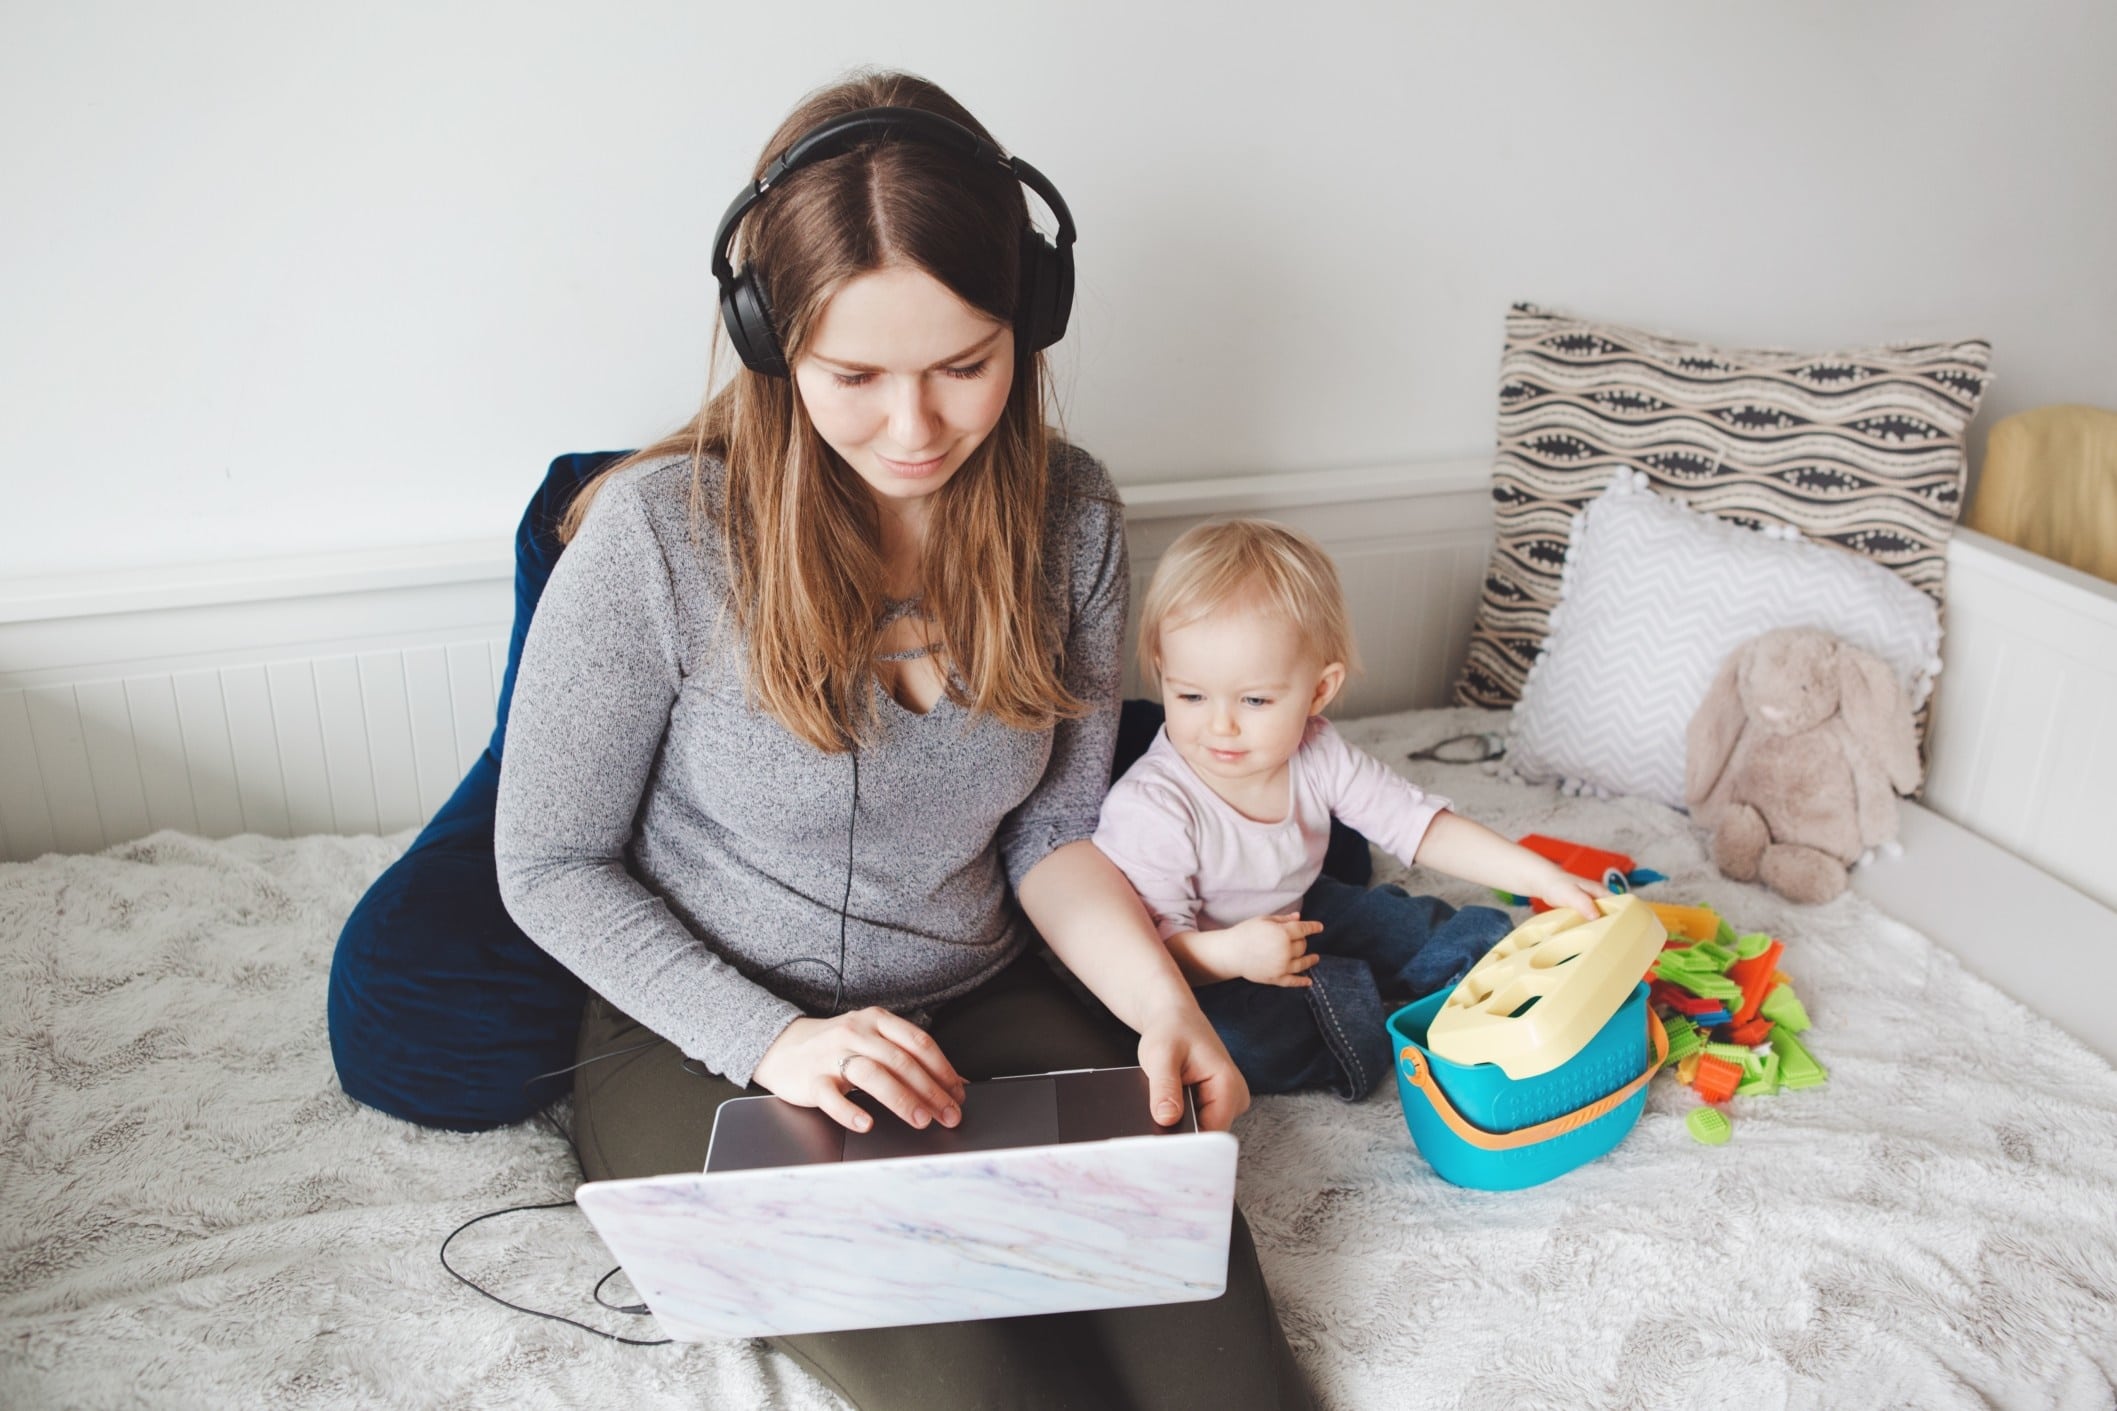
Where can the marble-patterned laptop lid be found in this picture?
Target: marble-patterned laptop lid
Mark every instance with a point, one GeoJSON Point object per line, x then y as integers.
{"type": "Point", "coordinates": [836, 1245]}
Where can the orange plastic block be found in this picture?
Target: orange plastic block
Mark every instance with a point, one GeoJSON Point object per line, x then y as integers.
{"type": "Point", "coordinates": [1717, 1078]}
{"type": "Point", "coordinates": [1689, 923]}
{"type": "Point", "coordinates": [1756, 1031]}
{"type": "Point", "coordinates": [1755, 977]}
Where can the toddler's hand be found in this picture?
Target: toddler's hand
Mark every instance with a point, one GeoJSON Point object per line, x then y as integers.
{"type": "Point", "coordinates": [1564, 889]}
{"type": "Point", "coordinates": [1270, 950]}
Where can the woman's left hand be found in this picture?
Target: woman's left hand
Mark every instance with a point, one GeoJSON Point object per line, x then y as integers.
{"type": "Point", "coordinates": [1178, 1049]}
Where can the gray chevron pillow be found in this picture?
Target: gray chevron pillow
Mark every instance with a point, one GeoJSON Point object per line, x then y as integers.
{"type": "Point", "coordinates": [1652, 599]}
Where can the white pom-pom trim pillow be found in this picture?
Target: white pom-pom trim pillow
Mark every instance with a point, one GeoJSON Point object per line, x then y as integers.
{"type": "Point", "coordinates": [1653, 598]}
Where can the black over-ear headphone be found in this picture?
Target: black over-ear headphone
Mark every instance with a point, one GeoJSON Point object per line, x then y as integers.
{"type": "Point", "coordinates": [1046, 295]}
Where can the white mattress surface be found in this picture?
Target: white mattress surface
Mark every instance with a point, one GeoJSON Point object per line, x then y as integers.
{"type": "Point", "coordinates": [192, 1214]}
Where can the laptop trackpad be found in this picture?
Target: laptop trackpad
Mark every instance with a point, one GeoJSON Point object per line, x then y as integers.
{"type": "Point", "coordinates": [1004, 1113]}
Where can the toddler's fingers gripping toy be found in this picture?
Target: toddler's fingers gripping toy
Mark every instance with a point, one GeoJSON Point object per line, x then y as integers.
{"type": "Point", "coordinates": [1613, 869]}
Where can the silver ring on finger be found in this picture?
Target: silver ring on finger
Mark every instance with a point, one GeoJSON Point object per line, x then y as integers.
{"type": "Point", "coordinates": [842, 1064]}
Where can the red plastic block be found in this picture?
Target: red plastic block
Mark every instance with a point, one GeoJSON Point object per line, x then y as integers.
{"type": "Point", "coordinates": [1682, 1001]}
{"type": "Point", "coordinates": [1717, 1078]}
{"type": "Point", "coordinates": [1755, 1032]}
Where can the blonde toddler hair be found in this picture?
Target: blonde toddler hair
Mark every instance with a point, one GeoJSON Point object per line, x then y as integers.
{"type": "Point", "coordinates": [1266, 566]}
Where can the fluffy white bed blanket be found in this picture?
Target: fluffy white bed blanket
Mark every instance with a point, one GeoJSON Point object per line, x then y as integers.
{"type": "Point", "coordinates": [192, 1214]}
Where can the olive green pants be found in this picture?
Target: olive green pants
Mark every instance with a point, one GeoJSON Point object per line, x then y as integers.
{"type": "Point", "coordinates": [643, 1113]}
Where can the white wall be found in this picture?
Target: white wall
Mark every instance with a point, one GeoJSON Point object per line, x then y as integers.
{"type": "Point", "coordinates": [281, 277]}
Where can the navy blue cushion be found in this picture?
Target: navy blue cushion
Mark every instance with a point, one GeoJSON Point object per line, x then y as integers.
{"type": "Point", "coordinates": [442, 1011]}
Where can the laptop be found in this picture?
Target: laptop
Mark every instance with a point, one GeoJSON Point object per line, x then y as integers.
{"type": "Point", "coordinates": [1056, 1193]}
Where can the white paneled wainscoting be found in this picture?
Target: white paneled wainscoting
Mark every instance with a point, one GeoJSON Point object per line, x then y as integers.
{"type": "Point", "coordinates": [348, 693]}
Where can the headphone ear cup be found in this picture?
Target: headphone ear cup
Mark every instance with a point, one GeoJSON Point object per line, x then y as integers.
{"type": "Point", "coordinates": [1046, 295]}
{"type": "Point", "coordinates": [748, 321]}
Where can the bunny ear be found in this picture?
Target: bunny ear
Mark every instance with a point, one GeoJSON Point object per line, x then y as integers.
{"type": "Point", "coordinates": [1710, 740]}
{"type": "Point", "coordinates": [1875, 710]}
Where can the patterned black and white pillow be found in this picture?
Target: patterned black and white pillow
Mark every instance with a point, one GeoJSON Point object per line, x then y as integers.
{"type": "Point", "coordinates": [1862, 448]}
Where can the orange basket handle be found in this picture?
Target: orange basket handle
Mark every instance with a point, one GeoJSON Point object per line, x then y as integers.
{"type": "Point", "coordinates": [1420, 1075]}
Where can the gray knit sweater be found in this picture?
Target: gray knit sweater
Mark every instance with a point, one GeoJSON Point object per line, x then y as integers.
{"type": "Point", "coordinates": [685, 855]}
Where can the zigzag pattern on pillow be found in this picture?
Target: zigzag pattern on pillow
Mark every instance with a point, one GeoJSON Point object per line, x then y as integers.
{"type": "Point", "coordinates": [1655, 597]}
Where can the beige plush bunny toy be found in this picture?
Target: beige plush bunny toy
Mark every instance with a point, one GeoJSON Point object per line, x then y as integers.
{"type": "Point", "coordinates": [1795, 759]}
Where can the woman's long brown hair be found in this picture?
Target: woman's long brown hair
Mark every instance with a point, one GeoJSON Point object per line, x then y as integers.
{"type": "Point", "coordinates": [799, 528]}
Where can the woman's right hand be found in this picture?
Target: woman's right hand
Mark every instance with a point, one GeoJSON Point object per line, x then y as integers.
{"type": "Point", "coordinates": [817, 1062]}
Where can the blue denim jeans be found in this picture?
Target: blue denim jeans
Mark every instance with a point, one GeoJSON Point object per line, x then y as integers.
{"type": "Point", "coordinates": [1381, 948]}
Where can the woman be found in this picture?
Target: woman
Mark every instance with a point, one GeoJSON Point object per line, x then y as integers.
{"type": "Point", "coordinates": [812, 726]}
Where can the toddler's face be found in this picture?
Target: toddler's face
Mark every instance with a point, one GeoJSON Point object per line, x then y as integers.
{"type": "Point", "coordinates": [1239, 687]}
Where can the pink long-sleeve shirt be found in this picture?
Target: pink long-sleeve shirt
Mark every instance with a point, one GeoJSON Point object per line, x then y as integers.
{"type": "Point", "coordinates": [1200, 866]}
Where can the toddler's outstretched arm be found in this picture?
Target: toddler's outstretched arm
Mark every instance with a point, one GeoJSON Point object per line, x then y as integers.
{"type": "Point", "coordinates": [1469, 850]}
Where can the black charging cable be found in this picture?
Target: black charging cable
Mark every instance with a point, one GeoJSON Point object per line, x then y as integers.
{"type": "Point", "coordinates": [472, 1284]}
{"type": "Point", "coordinates": [640, 1309]}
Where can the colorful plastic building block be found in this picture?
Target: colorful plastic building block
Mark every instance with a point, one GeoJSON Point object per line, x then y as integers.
{"type": "Point", "coordinates": [1709, 1125]}
{"type": "Point", "coordinates": [1754, 975]}
{"type": "Point", "coordinates": [1752, 1033]}
{"type": "Point", "coordinates": [1797, 1066]}
{"type": "Point", "coordinates": [1752, 945]}
{"type": "Point", "coordinates": [1687, 923]}
{"type": "Point", "coordinates": [1760, 1076]}
{"type": "Point", "coordinates": [1683, 1002]}
{"type": "Point", "coordinates": [1717, 1078]}
{"type": "Point", "coordinates": [1783, 1007]}
{"type": "Point", "coordinates": [1684, 1038]}
{"type": "Point", "coordinates": [1707, 984]}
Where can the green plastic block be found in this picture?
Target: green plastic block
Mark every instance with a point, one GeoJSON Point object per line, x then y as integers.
{"type": "Point", "coordinates": [1721, 956]}
{"type": "Point", "coordinates": [1783, 1008]}
{"type": "Point", "coordinates": [1706, 986]}
{"type": "Point", "coordinates": [1684, 1038]}
{"type": "Point", "coordinates": [1763, 1080]}
{"type": "Point", "coordinates": [1726, 936]}
{"type": "Point", "coordinates": [1797, 1066]}
{"type": "Point", "coordinates": [1703, 958]}
{"type": "Point", "coordinates": [1709, 1125]}
{"type": "Point", "coordinates": [1684, 958]}
{"type": "Point", "coordinates": [1752, 945]}
{"type": "Point", "coordinates": [1733, 1053]}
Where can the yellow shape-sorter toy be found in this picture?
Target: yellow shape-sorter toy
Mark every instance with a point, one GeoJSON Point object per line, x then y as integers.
{"type": "Point", "coordinates": [1546, 989]}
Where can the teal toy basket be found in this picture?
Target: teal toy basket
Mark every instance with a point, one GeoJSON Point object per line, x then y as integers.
{"type": "Point", "coordinates": [1477, 1127]}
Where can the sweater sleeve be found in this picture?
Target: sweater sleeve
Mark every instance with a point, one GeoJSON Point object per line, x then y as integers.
{"type": "Point", "coordinates": [1148, 830]}
{"type": "Point", "coordinates": [1064, 805]}
{"type": "Point", "coordinates": [1365, 794]}
{"type": "Point", "coordinates": [599, 675]}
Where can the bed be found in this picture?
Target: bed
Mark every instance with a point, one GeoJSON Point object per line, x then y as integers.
{"type": "Point", "coordinates": [193, 1214]}
{"type": "Point", "coordinates": [196, 1216]}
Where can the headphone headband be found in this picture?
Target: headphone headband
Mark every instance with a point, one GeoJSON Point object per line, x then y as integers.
{"type": "Point", "coordinates": [1046, 294]}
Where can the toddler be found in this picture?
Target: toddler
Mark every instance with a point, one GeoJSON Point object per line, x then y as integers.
{"type": "Point", "coordinates": [1221, 826]}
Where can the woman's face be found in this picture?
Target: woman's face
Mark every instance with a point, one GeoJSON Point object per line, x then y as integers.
{"type": "Point", "coordinates": [904, 380]}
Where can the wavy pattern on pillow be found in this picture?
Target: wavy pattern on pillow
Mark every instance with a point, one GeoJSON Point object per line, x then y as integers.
{"type": "Point", "coordinates": [1863, 449]}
